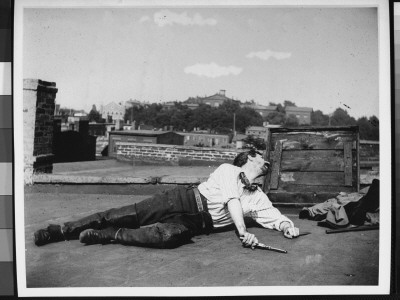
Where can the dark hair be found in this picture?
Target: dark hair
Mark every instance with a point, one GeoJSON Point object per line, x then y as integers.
{"type": "Point", "coordinates": [241, 158]}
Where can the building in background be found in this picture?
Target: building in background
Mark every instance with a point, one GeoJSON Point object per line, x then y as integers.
{"type": "Point", "coordinates": [134, 103]}
{"type": "Point", "coordinates": [205, 139]}
{"type": "Point", "coordinates": [238, 140]}
{"type": "Point", "coordinates": [261, 109]}
{"type": "Point", "coordinates": [171, 104]}
{"type": "Point", "coordinates": [113, 110]}
{"type": "Point", "coordinates": [303, 114]}
{"type": "Point", "coordinates": [257, 131]}
{"type": "Point", "coordinates": [214, 101]}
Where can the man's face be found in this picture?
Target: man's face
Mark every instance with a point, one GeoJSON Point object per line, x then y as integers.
{"type": "Point", "coordinates": [260, 164]}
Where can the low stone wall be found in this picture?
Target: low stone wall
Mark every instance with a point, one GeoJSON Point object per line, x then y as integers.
{"type": "Point", "coordinates": [173, 154]}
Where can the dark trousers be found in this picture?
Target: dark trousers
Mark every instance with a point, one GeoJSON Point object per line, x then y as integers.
{"type": "Point", "coordinates": [177, 206]}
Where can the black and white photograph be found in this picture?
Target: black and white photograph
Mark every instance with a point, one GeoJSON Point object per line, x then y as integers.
{"type": "Point", "coordinates": [182, 148]}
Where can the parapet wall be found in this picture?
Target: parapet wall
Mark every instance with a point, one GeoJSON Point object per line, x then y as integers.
{"type": "Point", "coordinates": [173, 154]}
{"type": "Point", "coordinates": [369, 153]}
{"type": "Point", "coordinates": [38, 107]}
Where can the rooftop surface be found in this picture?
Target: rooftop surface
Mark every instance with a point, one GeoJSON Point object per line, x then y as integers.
{"type": "Point", "coordinates": [218, 259]}
{"type": "Point", "coordinates": [112, 171]}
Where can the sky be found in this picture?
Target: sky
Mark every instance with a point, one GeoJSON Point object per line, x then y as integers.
{"type": "Point", "coordinates": [322, 58]}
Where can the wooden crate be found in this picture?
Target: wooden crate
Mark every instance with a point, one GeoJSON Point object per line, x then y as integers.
{"type": "Point", "coordinates": [312, 164]}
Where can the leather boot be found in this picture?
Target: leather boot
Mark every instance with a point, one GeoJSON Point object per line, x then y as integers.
{"type": "Point", "coordinates": [93, 236]}
{"type": "Point", "coordinates": [51, 234]}
{"type": "Point", "coordinates": [125, 216]}
{"type": "Point", "coordinates": [160, 235]}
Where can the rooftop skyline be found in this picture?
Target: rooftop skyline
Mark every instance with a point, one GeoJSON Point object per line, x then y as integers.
{"type": "Point", "coordinates": [322, 58]}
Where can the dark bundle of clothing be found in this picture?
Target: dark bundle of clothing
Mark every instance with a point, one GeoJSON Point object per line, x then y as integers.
{"type": "Point", "coordinates": [335, 215]}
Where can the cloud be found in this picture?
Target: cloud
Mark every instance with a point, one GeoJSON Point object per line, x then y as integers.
{"type": "Point", "coordinates": [265, 55]}
{"type": "Point", "coordinates": [166, 17]}
{"type": "Point", "coordinates": [212, 70]}
{"type": "Point", "coordinates": [144, 19]}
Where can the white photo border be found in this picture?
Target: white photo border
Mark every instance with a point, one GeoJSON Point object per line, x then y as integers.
{"type": "Point", "coordinates": [383, 286]}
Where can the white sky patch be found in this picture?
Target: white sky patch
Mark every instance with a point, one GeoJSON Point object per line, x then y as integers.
{"type": "Point", "coordinates": [267, 54]}
{"type": "Point", "coordinates": [167, 17]}
{"type": "Point", "coordinates": [144, 19]}
{"type": "Point", "coordinates": [212, 70]}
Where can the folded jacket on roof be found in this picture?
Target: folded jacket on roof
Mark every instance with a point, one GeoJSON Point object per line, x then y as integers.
{"type": "Point", "coordinates": [340, 211]}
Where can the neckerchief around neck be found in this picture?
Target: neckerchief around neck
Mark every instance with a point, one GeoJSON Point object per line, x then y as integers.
{"type": "Point", "coordinates": [247, 185]}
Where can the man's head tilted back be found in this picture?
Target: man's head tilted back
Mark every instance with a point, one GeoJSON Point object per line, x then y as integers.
{"type": "Point", "coordinates": [241, 158]}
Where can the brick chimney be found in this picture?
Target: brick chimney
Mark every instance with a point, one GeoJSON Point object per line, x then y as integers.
{"type": "Point", "coordinates": [38, 107]}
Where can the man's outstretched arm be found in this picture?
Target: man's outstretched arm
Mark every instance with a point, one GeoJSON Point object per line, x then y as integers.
{"type": "Point", "coordinates": [236, 212]}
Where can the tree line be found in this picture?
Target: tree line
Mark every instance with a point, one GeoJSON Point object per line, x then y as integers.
{"type": "Point", "coordinates": [214, 119]}
{"type": "Point", "coordinates": [369, 127]}
{"type": "Point", "coordinates": [230, 114]}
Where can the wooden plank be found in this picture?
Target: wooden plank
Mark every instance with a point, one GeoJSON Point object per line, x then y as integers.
{"type": "Point", "coordinates": [348, 168]}
{"type": "Point", "coordinates": [293, 188]}
{"type": "Point", "coordinates": [267, 157]}
{"type": "Point", "coordinates": [312, 160]}
{"type": "Point", "coordinates": [313, 140]}
{"type": "Point", "coordinates": [276, 165]}
{"type": "Point", "coordinates": [352, 128]}
{"type": "Point", "coordinates": [300, 197]}
{"type": "Point", "coordinates": [311, 178]}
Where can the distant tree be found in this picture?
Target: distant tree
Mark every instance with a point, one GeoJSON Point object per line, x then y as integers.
{"type": "Point", "coordinates": [94, 115]}
{"type": "Point", "coordinates": [374, 133]}
{"type": "Point", "coordinates": [291, 121]}
{"type": "Point", "coordinates": [246, 117]}
{"type": "Point", "coordinates": [180, 118]}
{"type": "Point", "coordinates": [276, 118]}
{"type": "Point", "coordinates": [341, 117]}
{"type": "Point", "coordinates": [369, 128]}
{"type": "Point", "coordinates": [201, 117]}
{"type": "Point", "coordinates": [280, 108]}
{"type": "Point", "coordinates": [250, 141]}
{"type": "Point", "coordinates": [319, 119]}
{"type": "Point", "coordinates": [287, 103]}
{"type": "Point", "coordinates": [163, 118]}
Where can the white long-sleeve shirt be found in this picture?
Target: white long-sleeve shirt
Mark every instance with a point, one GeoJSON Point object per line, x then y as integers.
{"type": "Point", "coordinates": [224, 185]}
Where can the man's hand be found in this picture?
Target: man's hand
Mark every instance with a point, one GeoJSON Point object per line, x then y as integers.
{"type": "Point", "coordinates": [248, 239]}
{"type": "Point", "coordinates": [289, 231]}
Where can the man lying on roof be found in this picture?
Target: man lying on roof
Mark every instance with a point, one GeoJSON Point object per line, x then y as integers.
{"type": "Point", "coordinates": [179, 214]}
